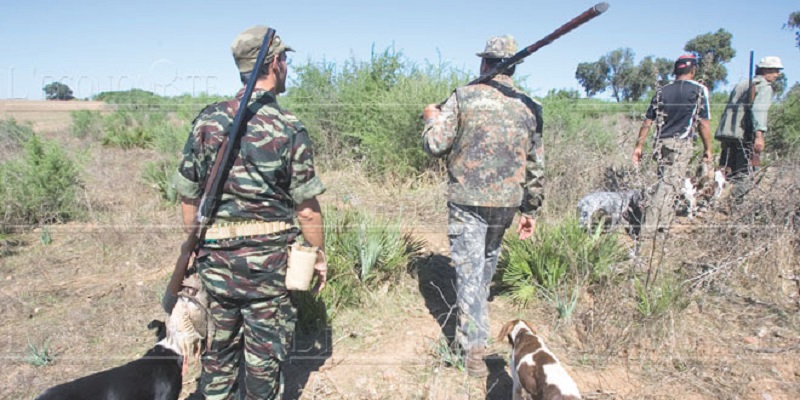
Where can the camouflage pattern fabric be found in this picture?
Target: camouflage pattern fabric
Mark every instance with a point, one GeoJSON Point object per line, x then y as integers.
{"type": "Point", "coordinates": [244, 277]}
{"type": "Point", "coordinates": [246, 45]}
{"type": "Point", "coordinates": [672, 156]}
{"type": "Point", "coordinates": [492, 137]}
{"type": "Point", "coordinates": [476, 234]}
{"type": "Point", "coordinates": [273, 171]}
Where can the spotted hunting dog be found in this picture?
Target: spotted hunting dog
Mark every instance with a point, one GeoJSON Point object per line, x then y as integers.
{"type": "Point", "coordinates": [536, 371]}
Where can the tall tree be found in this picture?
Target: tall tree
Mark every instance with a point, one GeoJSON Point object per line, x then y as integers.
{"type": "Point", "coordinates": [593, 76]}
{"type": "Point", "coordinates": [57, 91]}
{"type": "Point", "coordinates": [620, 64]}
{"type": "Point", "coordinates": [794, 23]}
{"type": "Point", "coordinates": [779, 85]}
{"type": "Point", "coordinates": [712, 50]}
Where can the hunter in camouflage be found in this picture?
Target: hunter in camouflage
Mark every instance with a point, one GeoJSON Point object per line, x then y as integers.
{"type": "Point", "coordinates": [272, 179]}
{"type": "Point", "coordinates": [491, 136]}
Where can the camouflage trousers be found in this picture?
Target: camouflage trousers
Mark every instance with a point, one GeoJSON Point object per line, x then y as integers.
{"type": "Point", "coordinates": [254, 320]}
{"type": "Point", "coordinates": [476, 234]}
{"type": "Point", "coordinates": [672, 157]}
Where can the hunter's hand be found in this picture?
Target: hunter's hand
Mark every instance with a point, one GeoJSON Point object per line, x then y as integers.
{"type": "Point", "coordinates": [430, 112]}
{"type": "Point", "coordinates": [526, 226]}
{"type": "Point", "coordinates": [637, 155]}
{"type": "Point", "coordinates": [321, 271]}
{"type": "Point", "coordinates": [707, 156]}
{"type": "Point", "coordinates": [758, 144]}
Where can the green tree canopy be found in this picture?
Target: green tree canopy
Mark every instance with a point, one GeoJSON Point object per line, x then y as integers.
{"type": "Point", "coordinates": [621, 67]}
{"type": "Point", "coordinates": [712, 50]}
{"type": "Point", "coordinates": [617, 70]}
{"type": "Point", "coordinates": [794, 23]}
{"type": "Point", "coordinates": [593, 76]}
{"type": "Point", "coordinates": [57, 91]}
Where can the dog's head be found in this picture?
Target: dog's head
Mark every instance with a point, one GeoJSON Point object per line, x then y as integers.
{"type": "Point", "coordinates": [160, 327]}
{"type": "Point", "coordinates": [512, 328]}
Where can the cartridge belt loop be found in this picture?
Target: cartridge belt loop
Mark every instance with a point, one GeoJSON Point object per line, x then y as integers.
{"type": "Point", "coordinates": [237, 230]}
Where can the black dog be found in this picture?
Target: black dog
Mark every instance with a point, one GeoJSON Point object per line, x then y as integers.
{"type": "Point", "coordinates": [155, 376]}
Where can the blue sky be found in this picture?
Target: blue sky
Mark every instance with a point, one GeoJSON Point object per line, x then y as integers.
{"type": "Point", "coordinates": [176, 47]}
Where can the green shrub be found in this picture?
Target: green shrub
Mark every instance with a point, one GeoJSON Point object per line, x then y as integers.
{"type": "Point", "coordinates": [368, 112]}
{"type": "Point", "coordinates": [38, 186]}
{"type": "Point", "coordinates": [656, 300]}
{"type": "Point", "coordinates": [558, 256]}
{"type": "Point", "coordinates": [364, 253]}
{"type": "Point", "coordinates": [87, 123]}
{"type": "Point", "coordinates": [784, 125]}
{"type": "Point", "coordinates": [158, 175]}
{"type": "Point", "coordinates": [39, 356]}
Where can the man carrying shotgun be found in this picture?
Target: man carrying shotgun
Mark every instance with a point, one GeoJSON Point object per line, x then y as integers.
{"type": "Point", "coordinates": [491, 134]}
{"type": "Point", "coordinates": [744, 123]}
{"type": "Point", "coordinates": [242, 259]}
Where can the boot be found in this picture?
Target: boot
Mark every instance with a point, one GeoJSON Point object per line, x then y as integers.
{"type": "Point", "coordinates": [476, 366]}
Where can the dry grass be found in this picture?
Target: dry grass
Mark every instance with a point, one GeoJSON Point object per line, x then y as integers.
{"type": "Point", "coordinates": [93, 290]}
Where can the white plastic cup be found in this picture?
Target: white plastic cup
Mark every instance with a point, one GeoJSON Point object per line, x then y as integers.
{"type": "Point", "coordinates": [300, 268]}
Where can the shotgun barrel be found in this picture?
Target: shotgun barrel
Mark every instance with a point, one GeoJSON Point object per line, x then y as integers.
{"type": "Point", "coordinates": [216, 181]}
{"type": "Point", "coordinates": [587, 15]}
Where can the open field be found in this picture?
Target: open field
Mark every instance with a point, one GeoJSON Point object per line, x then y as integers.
{"type": "Point", "coordinates": [46, 116]}
{"type": "Point", "coordinates": [88, 296]}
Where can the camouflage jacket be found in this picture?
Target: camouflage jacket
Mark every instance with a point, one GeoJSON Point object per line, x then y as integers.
{"type": "Point", "coordinates": [733, 120]}
{"type": "Point", "coordinates": [273, 171]}
{"type": "Point", "coordinates": [492, 137]}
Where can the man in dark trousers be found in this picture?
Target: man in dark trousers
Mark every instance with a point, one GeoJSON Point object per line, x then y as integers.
{"type": "Point", "coordinates": [676, 109]}
{"type": "Point", "coordinates": [491, 135]}
{"type": "Point", "coordinates": [744, 123]}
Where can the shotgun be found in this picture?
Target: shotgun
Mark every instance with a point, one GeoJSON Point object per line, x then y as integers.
{"type": "Point", "coordinates": [755, 158]}
{"type": "Point", "coordinates": [581, 19]}
{"type": "Point", "coordinates": [587, 15]}
{"type": "Point", "coordinates": [215, 183]}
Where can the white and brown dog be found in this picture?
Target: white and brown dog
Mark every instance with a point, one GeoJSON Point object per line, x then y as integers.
{"type": "Point", "coordinates": [536, 371]}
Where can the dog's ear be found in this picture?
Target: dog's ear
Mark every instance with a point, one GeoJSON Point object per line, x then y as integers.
{"type": "Point", "coordinates": [160, 327]}
{"type": "Point", "coordinates": [505, 332]}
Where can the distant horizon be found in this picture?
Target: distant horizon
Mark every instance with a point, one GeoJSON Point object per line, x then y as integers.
{"type": "Point", "coordinates": [183, 47]}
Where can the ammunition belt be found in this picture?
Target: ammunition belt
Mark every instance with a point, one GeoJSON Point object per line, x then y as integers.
{"type": "Point", "coordinates": [238, 230]}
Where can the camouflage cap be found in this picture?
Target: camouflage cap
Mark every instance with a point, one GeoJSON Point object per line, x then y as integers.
{"type": "Point", "coordinates": [246, 45]}
{"type": "Point", "coordinates": [499, 47]}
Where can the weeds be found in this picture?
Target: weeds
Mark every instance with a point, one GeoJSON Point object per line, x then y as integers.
{"type": "Point", "coordinates": [158, 174]}
{"type": "Point", "coordinates": [558, 254]}
{"type": "Point", "coordinates": [39, 356]}
{"type": "Point", "coordinates": [364, 253]}
{"type": "Point", "coordinates": [656, 300]}
{"type": "Point", "coordinates": [38, 186]}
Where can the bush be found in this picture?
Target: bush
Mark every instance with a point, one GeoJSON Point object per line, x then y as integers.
{"type": "Point", "coordinates": [365, 253]}
{"type": "Point", "coordinates": [12, 137]}
{"type": "Point", "coordinates": [87, 123]}
{"type": "Point", "coordinates": [158, 174]}
{"type": "Point", "coordinates": [558, 257]}
{"type": "Point", "coordinates": [40, 185]}
{"type": "Point", "coordinates": [368, 112]}
{"type": "Point", "coordinates": [784, 125]}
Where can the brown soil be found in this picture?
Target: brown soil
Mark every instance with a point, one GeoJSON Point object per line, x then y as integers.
{"type": "Point", "coordinates": [88, 296]}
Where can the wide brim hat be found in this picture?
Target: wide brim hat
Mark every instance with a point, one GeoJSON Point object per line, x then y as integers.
{"type": "Point", "coordinates": [770, 62]}
{"type": "Point", "coordinates": [246, 45]}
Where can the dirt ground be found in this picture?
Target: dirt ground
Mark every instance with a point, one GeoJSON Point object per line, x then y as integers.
{"type": "Point", "coordinates": [88, 296]}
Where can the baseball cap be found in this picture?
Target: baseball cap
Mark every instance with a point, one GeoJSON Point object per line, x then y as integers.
{"type": "Point", "coordinates": [686, 60]}
{"type": "Point", "coordinates": [246, 45]}
{"type": "Point", "coordinates": [499, 47]}
{"type": "Point", "coordinates": [770, 62]}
